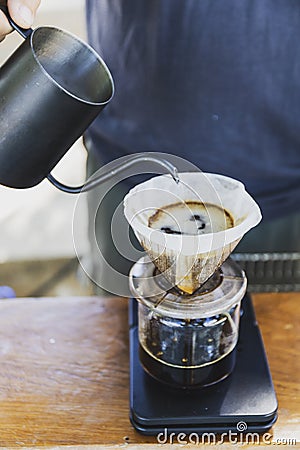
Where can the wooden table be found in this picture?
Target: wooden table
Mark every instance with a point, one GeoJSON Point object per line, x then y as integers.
{"type": "Point", "coordinates": [64, 370]}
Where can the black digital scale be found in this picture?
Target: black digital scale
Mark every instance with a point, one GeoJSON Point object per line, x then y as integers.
{"type": "Point", "coordinates": [246, 396]}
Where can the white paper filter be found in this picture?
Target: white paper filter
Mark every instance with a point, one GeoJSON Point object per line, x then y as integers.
{"type": "Point", "coordinates": [187, 261]}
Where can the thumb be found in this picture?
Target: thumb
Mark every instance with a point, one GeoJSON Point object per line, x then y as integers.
{"type": "Point", "coordinates": [23, 11]}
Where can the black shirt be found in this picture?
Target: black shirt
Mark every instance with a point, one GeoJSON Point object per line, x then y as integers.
{"type": "Point", "coordinates": [214, 81]}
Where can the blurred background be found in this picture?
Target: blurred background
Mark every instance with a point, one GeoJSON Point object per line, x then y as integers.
{"type": "Point", "coordinates": [37, 257]}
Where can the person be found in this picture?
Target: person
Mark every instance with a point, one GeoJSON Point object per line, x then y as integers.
{"type": "Point", "coordinates": [215, 83]}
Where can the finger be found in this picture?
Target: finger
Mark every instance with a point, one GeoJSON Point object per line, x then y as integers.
{"type": "Point", "coordinates": [23, 11]}
{"type": "Point", "coordinates": [5, 28]}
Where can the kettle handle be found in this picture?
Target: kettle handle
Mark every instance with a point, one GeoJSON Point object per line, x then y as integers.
{"type": "Point", "coordinates": [24, 32]}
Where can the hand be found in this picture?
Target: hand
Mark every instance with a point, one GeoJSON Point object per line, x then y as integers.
{"type": "Point", "coordinates": [21, 11]}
